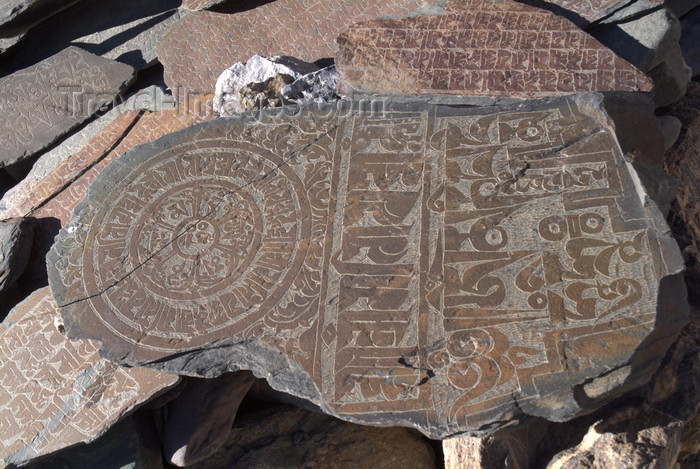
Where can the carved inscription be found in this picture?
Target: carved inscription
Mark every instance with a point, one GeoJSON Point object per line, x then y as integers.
{"type": "Point", "coordinates": [55, 392]}
{"type": "Point", "coordinates": [492, 48]}
{"type": "Point", "coordinates": [42, 102]}
{"type": "Point", "coordinates": [417, 266]}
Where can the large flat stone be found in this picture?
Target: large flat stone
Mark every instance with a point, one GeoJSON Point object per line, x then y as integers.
{"type": "Point", "coordinates": [204, 44]}
{"type": "Point", "coordinates": [54, 392]}
{"type": "Point", "coordinates": [430, 266]}
{"type": "Point", "coordinates": [123, 30]}
{"type": "Point", "coordinates": [493, 49]}
{"type": "Point", "coordinates": [40, 103]}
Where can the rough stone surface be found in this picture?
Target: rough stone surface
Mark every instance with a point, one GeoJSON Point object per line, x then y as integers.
{"type": "Point", "coordinates": [585, 12]}
{"type": "Point", "coordinates": [463, 54]}
{"type": "Point", "coordinates": [15, 246]}
{"type": "Point", "coordinates": [671, 129]}
{"type": "Point", "coordinates": [690, 40]}
{"type": "Point", "coordinates": [315, 87]}
{"type": "Point", "coordinates": [286, 436]}
{"type": "Point", "coordinates": [654, 447]}
{"type": "Point", "coordinates": [485, 266]}
{"type": "Point", "coordinates": [199, 419]}
{"type": "Point", "coordinates": [204, 43]}
{"type": "Point", "coordinates": [54, 392]}
{"type": "Point", "coordinates": [43, 102]}
{"type": "Point", "coordinates": [681, 7]}
{"type": "Point", "coordinates": [129, 444]}
{"type": "Point", "coordinates": [123, 30]}
{"type": "Point", "coordinates": [17, 16]}
{"type": "Point", "coordinates": [243, 85]}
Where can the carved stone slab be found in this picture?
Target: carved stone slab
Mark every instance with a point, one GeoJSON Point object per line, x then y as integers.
{"type": "Point", "coordinates": [436, 267]}
{"type": "Point", "coordinates": [42, 102]}
{"type": "Point", "coordinates": [495, 48]}
{"type": "Point", "coordinates": [54, 392]}
{"type": "Point", "coordinates": [204, 44]}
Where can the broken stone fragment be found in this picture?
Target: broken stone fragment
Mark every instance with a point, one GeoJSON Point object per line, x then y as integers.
{"type": "Point", "coordinates": [286, 436]}
{"type": "Point", "coordinates": [315, 87]}
{"type": "Point", "coordinates": [491, 49]}
{"type": "Point", "coordinates": [15, 247]}
{"type": "Point", "coordinates": [55, 392]}
{"type": "Point", "coordinates": [446, 268]}
{"type": "Point", "coordinates": [204, 43]}
{"type": "Point", "coordinates": [199, 420]}
{"type": "Point", "coordinates": [257, 83]}
{"type": "Point", "coordinates": [43, 102]}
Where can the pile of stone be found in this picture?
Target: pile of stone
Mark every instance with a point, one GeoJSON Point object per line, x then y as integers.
{"type": "Point", "coordinates": [393, 233]}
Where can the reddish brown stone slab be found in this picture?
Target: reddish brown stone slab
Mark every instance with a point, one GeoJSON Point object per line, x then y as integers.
{"type": "Point", "coordinates": [55, 392]}
{"type": "Point", "coordinates": [435, 267]}
{"type": "Point", "coordinates": [493, 49]}
{"type": "Point", "coordinates": [204, 44]}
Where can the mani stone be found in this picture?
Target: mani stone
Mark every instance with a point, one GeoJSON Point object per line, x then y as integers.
{"type": "Point", "coordinates": [444, 268]}
{"type": "Point", "coordinates": [55, 392]}
{"type": "Point", "coordinates": [494, 49]}
{"type": "Point", "coordinates": [43, 102]}
{"type": "Point", "coordinates": [204, 43]}
{"type": "Point", "coordinates": [15, 247]}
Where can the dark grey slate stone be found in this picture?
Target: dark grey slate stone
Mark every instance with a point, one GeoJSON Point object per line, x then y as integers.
{"type": "Point", "coordinates": [17, 16]}
{"type": "Point", "coordinates": [40, 103]}
{"type": "Point", "coordinates": [15, 248]}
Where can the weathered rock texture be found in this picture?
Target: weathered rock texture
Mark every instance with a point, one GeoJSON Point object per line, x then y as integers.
{"type": "Point", "coordinates": [123, 30]}
{"type": "Point", "coordinates": [434, 267]}
{"type": "Point", "coordinates": [199, 419]}
{"type": "Point", "coordinates": [683, 162]}
{"type": "Point", "coordinates": [196, 5]}
{"type": "Point", "coordinates": [286, 436]}
{"type": "Point", "coordinates": [15, 247]}
{"type": "Point", "coordinates": [43, 102]}
{"type": "Point", "coordinates": [17, 16]}
{"type": "Point", "coordinates": [204, 43]}
{"type": "Point", "coordinates": [54, 392]}
{"type": "Point", "coordinates": [495, 48]}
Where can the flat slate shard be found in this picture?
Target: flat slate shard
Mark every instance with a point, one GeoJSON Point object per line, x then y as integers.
{"type": "Point", "coordinates": [203, 44]}
{"type": "Point", "coordinates": [493, 49]}
{"type": "Point", "coordinates": [17, 16]}
{"type": "Point", "coordinates": [430, 266]}
{"type": "Point", "coordinates": [43, 102]}
{"type": "Point", "coordinates": [54, 392]}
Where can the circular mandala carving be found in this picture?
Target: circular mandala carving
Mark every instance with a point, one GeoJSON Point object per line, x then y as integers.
{"type": "Point", "coordinates": [202, 238]}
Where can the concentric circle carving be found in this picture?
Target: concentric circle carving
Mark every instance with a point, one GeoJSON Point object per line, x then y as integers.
{"type": "Point", "coordinates": [201, 238]}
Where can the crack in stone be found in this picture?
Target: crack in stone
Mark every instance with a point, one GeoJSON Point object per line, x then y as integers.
{"type": "Point", "coordinates": [82, 172]}
{"type": "Point", "coordinates": [192, 225]}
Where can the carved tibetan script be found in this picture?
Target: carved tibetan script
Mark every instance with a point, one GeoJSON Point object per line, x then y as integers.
{"type": "Point", "coordinates": [422, 266]}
